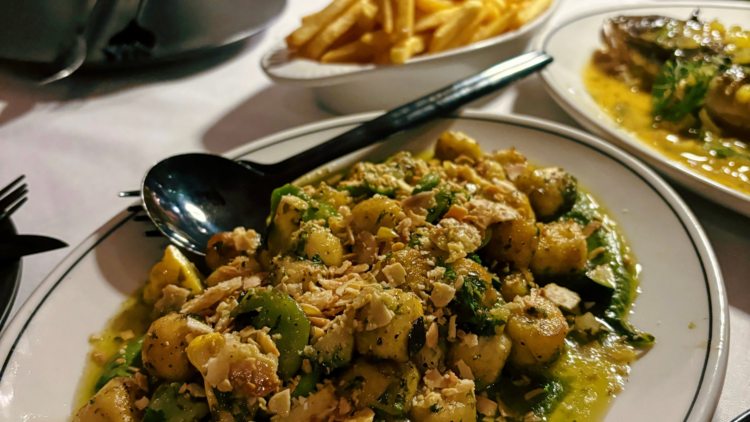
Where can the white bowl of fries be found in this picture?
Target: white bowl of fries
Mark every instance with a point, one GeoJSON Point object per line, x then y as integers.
{"type": "Point", "coordinates": [361, 55]}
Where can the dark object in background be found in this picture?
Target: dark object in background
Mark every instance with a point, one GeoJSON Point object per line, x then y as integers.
{"type": "Point", "coordinates": [10, 275]}
{"type": "Point", "coordinates": [43, 31]}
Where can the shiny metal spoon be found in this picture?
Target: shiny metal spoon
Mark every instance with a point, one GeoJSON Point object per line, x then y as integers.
{"type": "Point", "coordinates": [190, 197]}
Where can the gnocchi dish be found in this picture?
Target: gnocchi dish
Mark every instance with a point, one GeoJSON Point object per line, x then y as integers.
{"type": "Point", "coordinates": [681, 87]}
{"type": "Point", "coordinates": [464, 286]}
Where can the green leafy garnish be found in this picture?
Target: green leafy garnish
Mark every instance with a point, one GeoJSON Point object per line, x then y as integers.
{"type": "Point", "coordinates": [414, 240]}
{"type": "Point", "coordinates": [680, 87]}
{"type": "Point", "coordinates": [443, 201]}
{"type": "Point", "coordinates": [449, 271]}
{"type": "Point", "coordinates": [469, 304]}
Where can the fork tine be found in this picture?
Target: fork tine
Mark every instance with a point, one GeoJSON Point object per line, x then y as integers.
{"type": "Point", "coordinates": [10, 186]}
{"type": "Point", "coordinates": [13, 209]}
{"type": "Point", "coordinates": [14, 196]}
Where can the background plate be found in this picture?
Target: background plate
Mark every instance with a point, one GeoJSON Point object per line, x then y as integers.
{"type": "Point", "coordinates": [563, 79]}
{"type": "Point", "coordinates": [45, 347]}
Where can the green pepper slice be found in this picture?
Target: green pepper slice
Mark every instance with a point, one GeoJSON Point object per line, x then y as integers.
{"type": "Point", "coordinates": [267, 307]}
{"type": "Point", "coordinates": [287, 189]}
{"type": "Point", "coordinates": [355, 190]}
{"type": "Point", "coordinates": [131, 357]}
{"type": "Point", "coordinates": [167, 404]}
{"type": "Point", "coordinates": [319, 210]}
{"type": "Point", "coordinates": [426, 183]}
{"type": "Point", "coordinates": [308, 382]}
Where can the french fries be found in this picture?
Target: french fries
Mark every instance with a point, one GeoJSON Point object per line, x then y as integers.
{"type": "Point", "coordinates": [394, 31]}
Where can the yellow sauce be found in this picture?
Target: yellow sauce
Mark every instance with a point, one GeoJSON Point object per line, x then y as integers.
{"type": "Point", "coordinates": [134, 315]}
{"type": "Point", "coordinates": [631, 109]}
{"type": "Point", "coordinates": [594, 375]}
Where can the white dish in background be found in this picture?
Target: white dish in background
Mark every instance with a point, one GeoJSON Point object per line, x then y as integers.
{"type": "Point", "coordinates": [354, 88]}
{"type": "Point", "coordinates": [44, 349]}
{"type": "Point", "coordinates": [563, 78]}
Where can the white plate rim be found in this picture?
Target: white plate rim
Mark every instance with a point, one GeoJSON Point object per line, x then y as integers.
{"type": "Point", "coordinates": [346, 71]}
{"type": "Point", "coordinates": [711, 381]}
{"type": "Point", "coordinates": [597, 125]}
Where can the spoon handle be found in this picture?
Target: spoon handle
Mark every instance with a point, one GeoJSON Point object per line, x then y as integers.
{"type": "Point", "coordinates": [438, 103]}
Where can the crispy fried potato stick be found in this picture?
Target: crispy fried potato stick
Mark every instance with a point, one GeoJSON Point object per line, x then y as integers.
{"type": "Point", "coordinates": [434, 20]}
{"type": "Point", "coordinates": [464, 35]}
{"type": "Point", "coordinates": [465, 15]}
{"type": "Point", "coordinates": [323, 40]}
{"type": "Point", "coordinates": [404, 22]}
{"type": "Point", "coordinates": [530, 10]}
{"type": "Point", "coordinates": [312, 24]}
{"type": "Point", "coordinates": [367, 20]}
{"type": "Point", "coordinates": [355, 52]}
{"type": "Point", "coordinates": [387, 8]}
{"type": "Point", "coordinates": [491, 11]}
{"type": "Point", "coordinates": [432, 6]}
{"type": "Point", "coordinates": [496, 27]}
{"type": "Point", "coordinates": [407, 48]}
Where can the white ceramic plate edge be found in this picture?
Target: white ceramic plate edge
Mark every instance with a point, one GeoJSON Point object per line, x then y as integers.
{"type": "Point", "coordinates": [706, 187]}
{"type": "Point", "coordinates": [709, 389]}
{"type": "Point", "coordinates": [313, 73]}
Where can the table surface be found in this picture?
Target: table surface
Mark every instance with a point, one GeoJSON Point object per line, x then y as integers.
{"type": "Point", "coordinates": [84, 139]}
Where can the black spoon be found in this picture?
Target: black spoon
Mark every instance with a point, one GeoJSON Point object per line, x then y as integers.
{"type": "Point", "coordinates": [190, 197]}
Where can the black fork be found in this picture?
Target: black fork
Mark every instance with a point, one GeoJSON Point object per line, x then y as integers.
{"type": "Point", "coordinates": [11, 199]}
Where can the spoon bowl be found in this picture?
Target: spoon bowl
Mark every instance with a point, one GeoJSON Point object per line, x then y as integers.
{"type": "Point", "coordinates": [191, 197]}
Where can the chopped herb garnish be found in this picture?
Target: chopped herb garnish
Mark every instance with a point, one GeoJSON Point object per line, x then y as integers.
{"type": "Point", "coordinates": [414, 239]}
{"type": "Point", "coordinates": [380, 217]}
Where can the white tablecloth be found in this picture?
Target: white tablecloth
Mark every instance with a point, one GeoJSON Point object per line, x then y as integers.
{"type": "Point", "coordinates": [82, 140]}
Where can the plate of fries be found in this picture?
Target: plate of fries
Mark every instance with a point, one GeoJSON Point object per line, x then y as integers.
{"type": "Point", "coordinates": [411, 46]}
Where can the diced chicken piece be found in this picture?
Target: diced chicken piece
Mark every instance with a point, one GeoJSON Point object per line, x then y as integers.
{"type": "Point", "coordinates": [395, 273]}
{"type": "Point", "coordinates": [280, 403]}
{"type": "Point", "coordinates": [442, 294]}
{"type": "Point", "coordinates": [228, 364]}
{"type": "Point", "coordinates": [172, 299]}
{"type": "Point", "coordinates": [456, 237]}
{"type": "Point", "coordinates": [211, 296]}
{"type": "Point", "coordinates": [562, 297]}
{"type": "Point", "coordinates": [486, 212]}
{"type": "Point", "coordinates": [379, 315]}
{"type": "Point", "coordinates": [416, 206]}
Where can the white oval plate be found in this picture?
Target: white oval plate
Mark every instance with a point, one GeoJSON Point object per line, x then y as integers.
{"type": "Point", "coordinates": [563, 79]}
{"type": "Point", "coordinates": [44, 349]}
